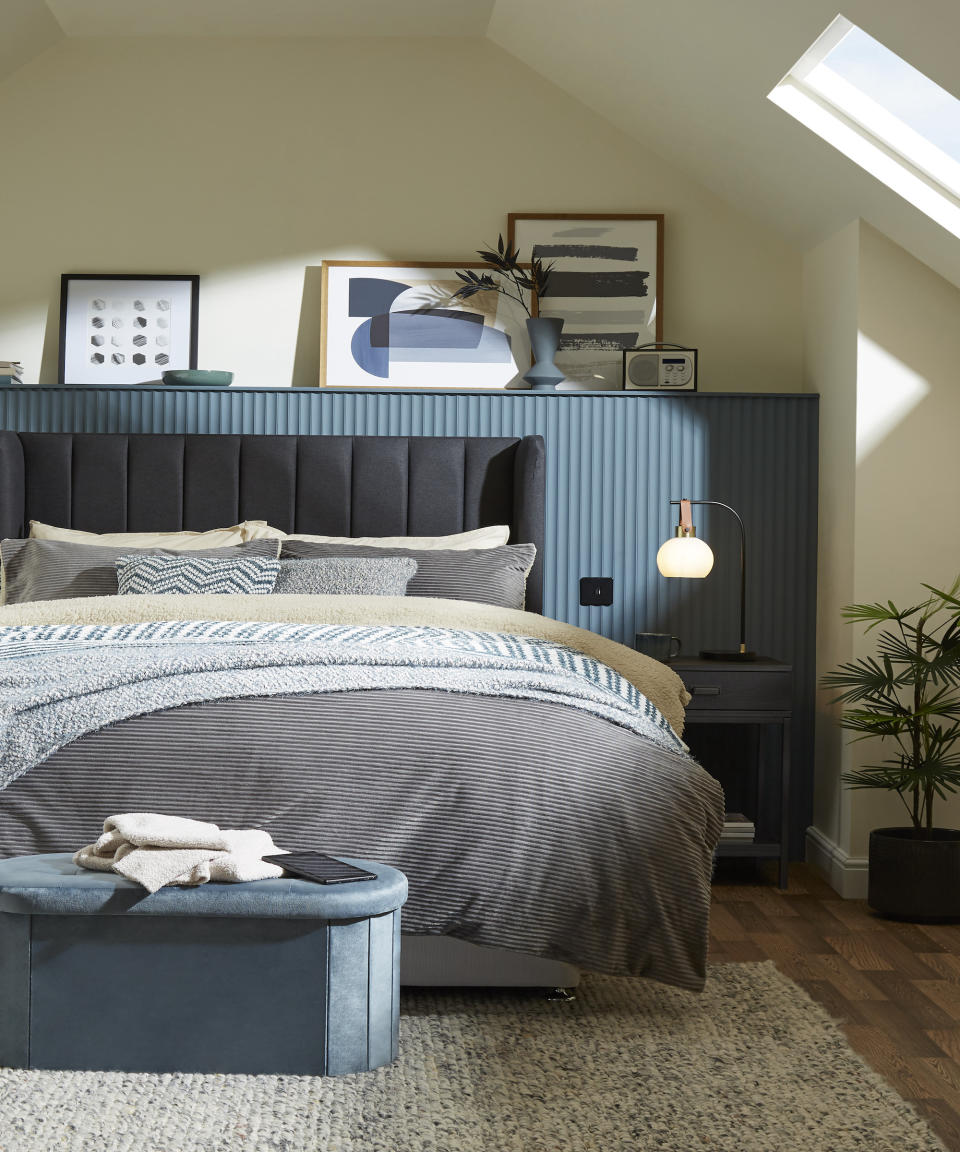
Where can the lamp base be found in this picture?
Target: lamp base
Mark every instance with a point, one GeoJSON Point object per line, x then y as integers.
{"type": "Point", "coordinates": [712, 654]}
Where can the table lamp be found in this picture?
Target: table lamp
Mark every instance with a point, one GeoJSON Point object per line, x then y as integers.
{"type": "Point", "coordinates": [686, 555]}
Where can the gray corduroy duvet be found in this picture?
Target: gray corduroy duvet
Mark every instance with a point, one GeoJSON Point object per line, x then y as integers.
{"type": "Point", "coordinates": [558, 817]}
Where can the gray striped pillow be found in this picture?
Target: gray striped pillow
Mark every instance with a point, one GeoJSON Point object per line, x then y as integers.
{"type": "Point", "coordinates": [357, 576]}
{"type": "Point", "coordinates": [59, 569]}
{"type": "Point", "coordinates": [485, 575]}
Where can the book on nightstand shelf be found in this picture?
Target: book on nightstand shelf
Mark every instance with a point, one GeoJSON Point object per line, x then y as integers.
{"type": "Point", "coordinates": [737, 827]}
{"type": "Point", "coordinates": [11, 372]}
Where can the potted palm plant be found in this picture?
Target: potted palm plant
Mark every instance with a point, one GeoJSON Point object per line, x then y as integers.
{"type": "Point", "coordinates": [526, 284]}
{"type": "Point", "coordinates": [907, 696]}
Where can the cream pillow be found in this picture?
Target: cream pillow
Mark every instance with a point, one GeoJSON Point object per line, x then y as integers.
{"type": "Point", "coordinates": [260, 530]}
{"type": "Point", "coordinates": [494, 536]}
{"type": "Point", "coordinates": [182, 541]}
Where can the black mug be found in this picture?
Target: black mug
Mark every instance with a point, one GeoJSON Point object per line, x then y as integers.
{"type": "Point", "coordinates": [659, 645]}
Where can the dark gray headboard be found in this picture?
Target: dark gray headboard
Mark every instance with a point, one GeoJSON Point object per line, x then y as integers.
{"type": "Point", "coordinates": [332, 485]}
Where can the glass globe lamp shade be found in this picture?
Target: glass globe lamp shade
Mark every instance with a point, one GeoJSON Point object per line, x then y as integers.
{"type": "Point", "coordinates": [685, 556]}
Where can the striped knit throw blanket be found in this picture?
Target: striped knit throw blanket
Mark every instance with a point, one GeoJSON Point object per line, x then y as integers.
{"type": "Point", "coordinates": [59, 682]}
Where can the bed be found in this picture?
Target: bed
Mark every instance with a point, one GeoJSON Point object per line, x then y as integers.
{"type": "Point", "coordinates": [528, 777]}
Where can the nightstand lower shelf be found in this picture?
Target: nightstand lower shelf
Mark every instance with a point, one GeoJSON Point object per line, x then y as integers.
{"type": "Point", "coordinates": [752, 848]}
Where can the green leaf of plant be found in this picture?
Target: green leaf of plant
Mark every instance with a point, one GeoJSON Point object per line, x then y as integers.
{"type": "Point", "coordinates": [874, 614]}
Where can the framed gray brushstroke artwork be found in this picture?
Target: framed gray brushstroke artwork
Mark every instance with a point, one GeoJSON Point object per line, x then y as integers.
{"type": "Point", "coordinates": [394, 325]}
{"type": "Point", "coordinates": [126, 328]}
{"type": "Point", "coordinates": [606, 285]}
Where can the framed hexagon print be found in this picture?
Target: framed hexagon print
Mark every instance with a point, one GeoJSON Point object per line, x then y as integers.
{"type": "Point", "coordinates": [120, 328]}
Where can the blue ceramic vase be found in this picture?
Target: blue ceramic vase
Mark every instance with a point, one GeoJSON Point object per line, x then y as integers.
{"type": "Point", "coordinates": [544, 332]}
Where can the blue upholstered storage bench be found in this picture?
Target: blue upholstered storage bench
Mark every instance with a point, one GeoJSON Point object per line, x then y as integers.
{"type": "Point", "coordinates": [278, 976]}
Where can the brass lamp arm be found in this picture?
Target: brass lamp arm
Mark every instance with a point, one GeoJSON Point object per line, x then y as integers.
{"type": "Point", "coordinates": [743, 564]}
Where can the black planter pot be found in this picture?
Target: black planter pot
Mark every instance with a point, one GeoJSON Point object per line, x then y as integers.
{"type": "Point", "coordinates": [915, 879]}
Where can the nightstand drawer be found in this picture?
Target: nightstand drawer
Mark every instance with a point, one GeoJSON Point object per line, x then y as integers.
{"type": "Point", "coordinates": [735, 689]}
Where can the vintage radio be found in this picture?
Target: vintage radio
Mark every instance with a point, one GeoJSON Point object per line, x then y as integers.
{"type": "Point", "coordinates": [660, 368]}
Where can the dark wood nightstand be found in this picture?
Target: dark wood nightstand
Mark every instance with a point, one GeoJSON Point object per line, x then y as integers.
{"type": "Point", "coordinates": [758, 692]}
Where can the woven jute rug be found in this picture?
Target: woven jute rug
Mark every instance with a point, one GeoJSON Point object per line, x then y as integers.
{"type": "Point", "coordinates": [751, 1065]}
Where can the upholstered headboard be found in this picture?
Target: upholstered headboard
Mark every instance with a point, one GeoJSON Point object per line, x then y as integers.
{"type": "Point", "coordinates": [334, 485]}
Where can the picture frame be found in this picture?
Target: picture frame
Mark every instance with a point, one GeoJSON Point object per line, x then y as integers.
{"type": "Point", "coordinates": [606, 285]}
{"type": "Point", "coordinates": [120, 328]}
{"type": "Point", "coordinates": [392, 324]}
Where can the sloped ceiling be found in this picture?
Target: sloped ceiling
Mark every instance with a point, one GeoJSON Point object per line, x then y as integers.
{"type": "Point", "coordinates": [27, 28]}
{"type": "Point", "coordinates": [687, 79]}
{"type": "Point", "coordinates": [273, 17]}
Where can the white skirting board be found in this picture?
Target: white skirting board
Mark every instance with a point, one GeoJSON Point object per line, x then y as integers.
{"type": "Point", "coordinates": [846, 875]}
{"type": "Point", "coordinates": [445, 962]}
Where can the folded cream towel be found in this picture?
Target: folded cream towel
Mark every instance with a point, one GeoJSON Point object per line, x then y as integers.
{"type": "Point", "coordinates": [156, 850]}
{"type": "Point", "coordinates": [158, 831]}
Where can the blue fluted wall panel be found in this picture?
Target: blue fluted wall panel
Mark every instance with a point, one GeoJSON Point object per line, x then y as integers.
{"type": "Point", "coordinates": [614, 461]}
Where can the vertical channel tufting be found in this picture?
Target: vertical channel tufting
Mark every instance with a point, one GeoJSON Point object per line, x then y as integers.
{"type": "Point", "coordinates": [410, 530]}
{"type": "Point", "coordinates": [155, 483]}
{"type": "Point", "coordinates": [527, 518]}
{"type": "Point", "coordinates": [382, 981]}
{"type": "Point", "coordinates": [327, 995]}
{"type": "Point", "coordinates": [12, 485]}
{"type": "Point", "coordinates": [488, 482]}
{"type": "Point", "coordinates": [324, 470]}
{"type": "Point", "coordinates": [395, 991]}
{"type": "Point", "coordinates": [48, 474]}
{"type": "Point", "coordinates": [349, 964]}
{"type": "Point", "coordinates": [370, 991]}
{"type": "Point", "coordinates": [379, 498]}
{"type": "Point", "coordinates": [211, 482]}
{"type": "Point", "coordinates": [435, 486]}
{"type": "Point", "coordinates": [99, 483]}
{"type": "Point", "coordinates": [14, 990]}
{"type": "Point", "coordinates": [268, 478]}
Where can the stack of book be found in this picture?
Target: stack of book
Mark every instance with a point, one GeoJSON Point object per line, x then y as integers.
{"type": "Point", "coordinates": [11, 372]}
{"type": "Point", "coordinates": [738, 829]}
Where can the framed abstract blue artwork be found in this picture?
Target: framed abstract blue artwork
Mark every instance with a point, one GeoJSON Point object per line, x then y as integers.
{"type": "Point", "coordinates": [394, 325]}
{"type": "Point", "coordinates": [606, 286]}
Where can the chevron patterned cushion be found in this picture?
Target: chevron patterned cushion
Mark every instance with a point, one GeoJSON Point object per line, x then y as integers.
{"type": "Point", "coordinates": [186, 575]}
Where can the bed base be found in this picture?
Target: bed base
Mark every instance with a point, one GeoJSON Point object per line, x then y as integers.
{"type": "Point", "coordinates": [446, 962]}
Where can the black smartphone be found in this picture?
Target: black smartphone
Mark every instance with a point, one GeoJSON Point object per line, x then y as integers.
{"type": "Point", "coordinates": [320, 867]}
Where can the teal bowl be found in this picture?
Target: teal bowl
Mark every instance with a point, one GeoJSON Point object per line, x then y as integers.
{"type": "Point", "coordinates": [197, 378]}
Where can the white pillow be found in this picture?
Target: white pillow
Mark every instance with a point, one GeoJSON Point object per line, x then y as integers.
{"type": "Point", "coordinates": [494, 536]}
{"type": "Point", "coordinates": [178, 541]}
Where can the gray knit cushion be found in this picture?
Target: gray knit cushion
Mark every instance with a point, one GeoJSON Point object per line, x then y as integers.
{"type": "Point", "coordinates": [58, 569]}
{"type": "Point", "coordinates": [355, 576]}
{"type": "Point", "coordinates": [485, 575]}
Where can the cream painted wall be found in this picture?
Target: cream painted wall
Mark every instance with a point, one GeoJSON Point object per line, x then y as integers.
{"type": "Point", "coordinates": [249, 162]}
{"type": "Point", "coordinates": [907, 527]}
{"type": "Point", "coordinates": [890, 482]}
{"type": "Point", "coordinates": [830, 302]}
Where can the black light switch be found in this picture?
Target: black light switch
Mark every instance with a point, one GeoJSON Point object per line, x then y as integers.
{"type": "Point", "coordinates": [596, 591]}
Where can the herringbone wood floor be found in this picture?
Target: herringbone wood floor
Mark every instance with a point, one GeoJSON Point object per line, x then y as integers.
{"type": "Point", "coordinates": [894, 987]}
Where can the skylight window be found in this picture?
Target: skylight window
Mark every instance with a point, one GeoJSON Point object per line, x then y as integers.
{"type": "Point", "coordinates": [881, 113]}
